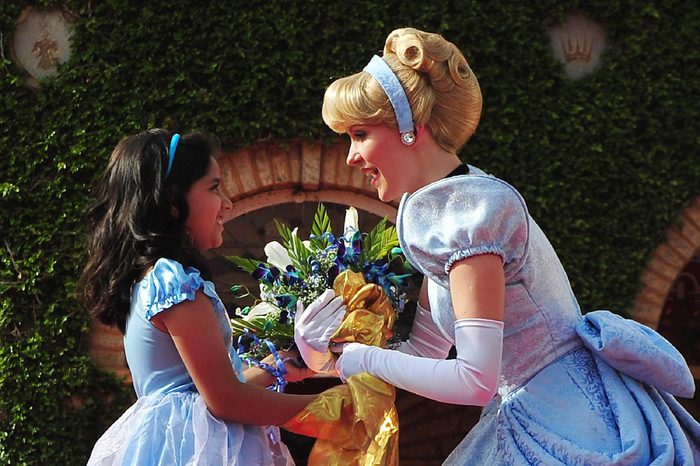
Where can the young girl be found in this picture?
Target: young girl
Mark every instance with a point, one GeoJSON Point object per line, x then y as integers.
{"type": "Point", "coordinates": [159, 206]}
{"type": "Point", "coordinates": [569, 389]}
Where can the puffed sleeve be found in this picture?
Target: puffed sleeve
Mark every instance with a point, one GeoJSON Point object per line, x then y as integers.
{"type": "Point", "coordinates": [460, 217]}
{"type": "Point", "coordinates": [169, 283]}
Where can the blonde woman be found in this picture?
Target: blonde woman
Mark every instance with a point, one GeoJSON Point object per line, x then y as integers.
{"type": "Point", "coordinates": [558, 387]}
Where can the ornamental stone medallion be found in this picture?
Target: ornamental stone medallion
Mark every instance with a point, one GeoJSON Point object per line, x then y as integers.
{"type": "Point", "coordinates": [41, 41]}
{"type": "Point", "coordinates": [578, 43]}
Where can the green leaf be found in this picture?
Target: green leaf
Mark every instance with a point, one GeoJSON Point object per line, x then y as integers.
{"type": "Point", "coordinates": [321, 225]}
{"type": "Point", "coordinates": [248, 265]}
{"type": "Point", "coordinates": [285, 233]}
{"type": "Point", "coordinates": [7, 188]}
{"type": "Point", "coordinates": [255, 325]}
{"type": "Point", "coordinates": [380, 241]}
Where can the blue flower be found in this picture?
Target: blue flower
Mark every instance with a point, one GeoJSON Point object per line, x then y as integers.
{"type": "Point", "coordinates": [399, 280]}
{"type": "Point", "coordinates": [340, 259]}
{"type": "Point", "coordinates": [291, 276]}
{"type": "Point", "coordinates": [349, 249]}
{"type": "Point", "coordinates": [315, 266]}
{"type": "Point", "coordinates": [286, 301]}
{"type": "Point", "coordinates": [264, 274]}
{"type": "Point", "coordinates": [284, 317]}
{"type": "Point", "coordinates": [356, 242]}
{"type": "Point", "coordinates": [375, 272]}
{"type": "Point", "coordinates": [333, 272]}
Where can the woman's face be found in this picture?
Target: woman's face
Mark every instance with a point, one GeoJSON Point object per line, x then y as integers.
{"type": "Point", "coordinates": [379, 154]}
{"type": "Point", "coordinates": [206, 203]}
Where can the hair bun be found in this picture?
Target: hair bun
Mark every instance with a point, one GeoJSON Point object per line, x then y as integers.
{"type": "Point", "coordinates": [408, 48]}
{"type": "Point", "coordinates": [431, 55]}
{"type": "Point", "coordinates": [441, 89]}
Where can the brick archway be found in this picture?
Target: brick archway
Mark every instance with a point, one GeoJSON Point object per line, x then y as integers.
{"type": "Point", "coordinates": [667, 262]}
{"type": "Point", "coordinates": [264, 174]}
{"type": "Point", "coordinates": [274, 172]}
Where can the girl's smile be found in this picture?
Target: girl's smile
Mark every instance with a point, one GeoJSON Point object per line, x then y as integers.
{"type": "Point", "coordinates": [207, 204]}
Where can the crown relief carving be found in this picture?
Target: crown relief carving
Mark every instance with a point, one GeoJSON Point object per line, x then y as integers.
{"type": "Point", "coordinates": [579, 49]}
{"type": "Point", "coordinates": [578, 43]}
{"type": "Point", "coordinates": [41, 41]}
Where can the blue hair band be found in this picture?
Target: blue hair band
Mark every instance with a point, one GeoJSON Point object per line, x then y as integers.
{"type": "Point", "coordinates": [171, 153]}
{"type": "Point", "coordinates": [387, 79]}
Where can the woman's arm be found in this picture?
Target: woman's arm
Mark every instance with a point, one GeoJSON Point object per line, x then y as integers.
{"type": "Point", "coordinates": [197, 337]}
{"type": "Point", "coordinates": [477, 287]}
{"type": "Point", "coordinates": [478, 294]}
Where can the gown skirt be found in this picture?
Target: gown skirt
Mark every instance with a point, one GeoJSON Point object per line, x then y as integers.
{"type": "Point", "coordinates": [608, 402]}
{"type": "Point", "coordinates": [177, 429]}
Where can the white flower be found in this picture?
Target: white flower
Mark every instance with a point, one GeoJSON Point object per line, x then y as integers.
{"type": "Point", "coordinates": [351, 221]}
{"type": "Point", "coordinates": [305, 242]}
{"type": "Point", "coordinates": [261, 309]}
{"type": "Point", "coordinates": [277, 255]}
{"type": "Point", "coordinates": [265, 295]}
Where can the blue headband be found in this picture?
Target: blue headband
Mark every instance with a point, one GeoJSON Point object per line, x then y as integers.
{"type": "Point", "coordinates": [171, 154]}
{"type": "Point", "coordinates": [380, 71]}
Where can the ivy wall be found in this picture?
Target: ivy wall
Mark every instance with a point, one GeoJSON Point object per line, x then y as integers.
{"type": "Point", "coordinates": [605, 162]}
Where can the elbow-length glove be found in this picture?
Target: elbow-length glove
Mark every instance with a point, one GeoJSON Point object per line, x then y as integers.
{"type": "Point", "coordinates": [425, 338]}
{"type": "Point", "coordinates": [471, 378]}
{"type": "Point", "coordinates": [313, 328]}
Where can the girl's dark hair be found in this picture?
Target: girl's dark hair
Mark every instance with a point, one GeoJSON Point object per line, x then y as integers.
{"type": "Point", "coordinates": [139, 217]}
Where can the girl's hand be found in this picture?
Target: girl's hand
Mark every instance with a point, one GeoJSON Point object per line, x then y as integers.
{"type": "Point", "coordinates": [336, 348]}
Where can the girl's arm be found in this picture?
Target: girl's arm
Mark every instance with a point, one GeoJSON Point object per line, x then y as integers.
{"type": "Point", "coordinates": [197, 337]}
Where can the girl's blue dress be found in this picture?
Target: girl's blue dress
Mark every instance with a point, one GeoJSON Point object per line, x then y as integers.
{"type": "Point", "coordinates": [170, 424]}
{"type": "Point", "coordinates": [574, 390]}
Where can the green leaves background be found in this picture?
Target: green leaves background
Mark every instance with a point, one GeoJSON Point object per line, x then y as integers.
{"type": "Point", "coordinates": [605, 163]}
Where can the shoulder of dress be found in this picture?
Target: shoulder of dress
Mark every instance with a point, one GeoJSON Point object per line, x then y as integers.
{"type": "Point", "coordinates": [461, 216]}
{"type": "Point", "coordinates": [478, 186]}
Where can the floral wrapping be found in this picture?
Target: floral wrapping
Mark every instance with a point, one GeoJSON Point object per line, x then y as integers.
{"type": "Point", "coordinates": [355, 423]}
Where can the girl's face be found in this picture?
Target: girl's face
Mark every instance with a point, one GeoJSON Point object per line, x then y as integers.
{"type": "Point", "coordinates": [379, 154]}
{"type": "Point", "coordinates": [206, 203]}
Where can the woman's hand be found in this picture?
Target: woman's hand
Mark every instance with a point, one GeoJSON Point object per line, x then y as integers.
{"type": "Point", "coordinates": [313, 328]}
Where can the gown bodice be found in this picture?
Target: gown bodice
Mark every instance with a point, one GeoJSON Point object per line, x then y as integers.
{"type": "Point", "coordinates": [153, 360]}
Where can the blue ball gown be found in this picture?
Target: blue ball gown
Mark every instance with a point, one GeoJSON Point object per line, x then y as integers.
{"type": "Point", "coordinates": [574, 390]}
{"type": "Point", "coordinates": [170, 424]}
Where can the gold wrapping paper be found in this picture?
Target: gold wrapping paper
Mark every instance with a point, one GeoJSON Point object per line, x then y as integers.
{"type": "Point", "coordinates": [355, 423]}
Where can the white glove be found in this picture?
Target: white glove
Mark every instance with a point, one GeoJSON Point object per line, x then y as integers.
{"type": "Point", "coordinates": [313, 328]}
{"type": "Point", "coordinates": [425, 340]}
{"type": "Point", "coordinates": [470, 379]}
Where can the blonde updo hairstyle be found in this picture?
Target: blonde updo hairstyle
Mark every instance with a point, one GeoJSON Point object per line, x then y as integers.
{"type": "Point", "coordinates": [442, 90]}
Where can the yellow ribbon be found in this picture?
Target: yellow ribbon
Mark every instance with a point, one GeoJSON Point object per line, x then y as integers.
{"type": "Point", "coordinates": [355, 423]}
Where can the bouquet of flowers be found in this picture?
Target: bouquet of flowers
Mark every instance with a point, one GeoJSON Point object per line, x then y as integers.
{"type": "Point", "coordinates": [301, 270]}
{"type": "Point", "coordinates": [354, 423]}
